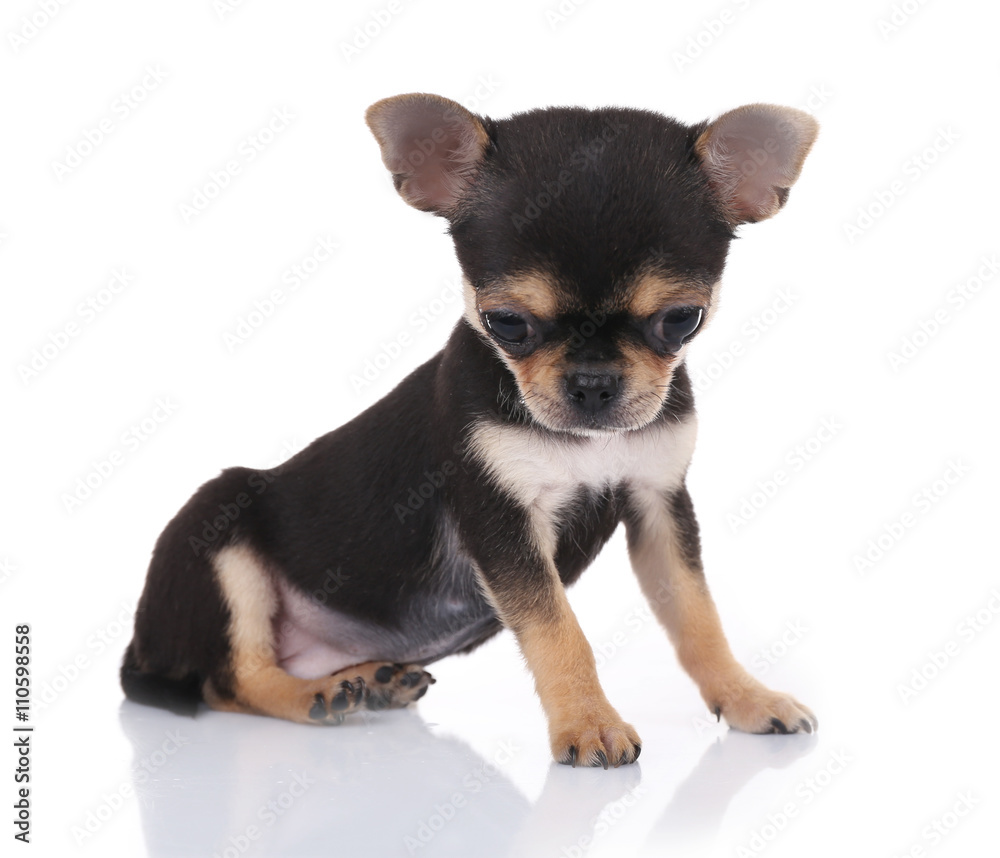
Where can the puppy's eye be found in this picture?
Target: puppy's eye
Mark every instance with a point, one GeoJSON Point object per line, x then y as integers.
{"type": "Point", "coordinates": [507, 327]}
{"type": "Point", "coordinates": [677, 325]}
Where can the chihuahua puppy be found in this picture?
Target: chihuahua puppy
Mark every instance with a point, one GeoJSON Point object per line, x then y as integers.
{"type": "Point", "coordinates": [591, 243]}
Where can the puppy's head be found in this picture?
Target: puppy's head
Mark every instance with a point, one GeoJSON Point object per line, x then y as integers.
{"type": "Point", "coordinates": [591, 240]}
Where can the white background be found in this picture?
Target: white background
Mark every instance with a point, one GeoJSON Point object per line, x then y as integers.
{"type": "Point", "coordinates": [893, 223]}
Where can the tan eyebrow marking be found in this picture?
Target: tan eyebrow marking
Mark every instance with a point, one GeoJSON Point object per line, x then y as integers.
{"type": "Point", "coordinates": [652, 293]}
{"type": "Point", "coordinates": [533, 292]}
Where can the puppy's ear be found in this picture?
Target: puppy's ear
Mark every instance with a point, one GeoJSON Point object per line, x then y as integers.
{"type": "Point", "coordinates": [432, 147]}
{"type": "Point", "coordinates": [753, 155]}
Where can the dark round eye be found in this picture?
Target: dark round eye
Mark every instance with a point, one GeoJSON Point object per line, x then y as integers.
{"type": "Point", "coordinates": [677, 324]}
{"type": "Point", "coordinates": [507, 327]}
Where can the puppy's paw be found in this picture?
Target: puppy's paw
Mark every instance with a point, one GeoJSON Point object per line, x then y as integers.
{"type": "Point", "coordinates": [396, 685]}
{"type": "Point", "coordinates": [603, 740]}
{"type": "Point", "coordinates": [757, 709]}
{"type": "Point", "coordinates": [374, 685]}
{"type": "Point", "coordinates": [342, 697]}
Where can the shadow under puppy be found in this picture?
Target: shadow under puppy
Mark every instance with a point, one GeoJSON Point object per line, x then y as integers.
{"type": "Point", "coordinates": [591, 243]}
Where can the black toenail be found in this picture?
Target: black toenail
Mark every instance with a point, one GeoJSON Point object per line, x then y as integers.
{"type": "Point", "coordinates": [779, 725]}
{"type": "Point", "coordinates": [573, 753]}
{"type": "Point", "coordinates": [804, 723]}
{"type": "Point", "coordinates": [421, 693]}
{"type": "Point", "coordinates": [318, 710]}
{"type": "Point", "coordinates": [411, 678]}
{"type": "Point", "coordinates": [638, 750]}
{"type": "Point", "coordinates": [602, 758]}
{"type": "Point", "coordinates": [384, 673]}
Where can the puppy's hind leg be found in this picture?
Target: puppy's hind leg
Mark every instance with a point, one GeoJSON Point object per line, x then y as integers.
{"type": "Point", "coordinates": [261, 686]}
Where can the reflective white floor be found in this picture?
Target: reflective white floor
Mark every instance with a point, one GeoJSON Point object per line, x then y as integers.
{"type": "Point", "coordinates": [466, 773]}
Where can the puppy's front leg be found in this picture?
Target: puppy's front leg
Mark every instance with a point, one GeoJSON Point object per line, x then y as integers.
{"type": "Point", "coordinates": [666, 556]}
{"type": "Point", "coordinates": [584, 728]}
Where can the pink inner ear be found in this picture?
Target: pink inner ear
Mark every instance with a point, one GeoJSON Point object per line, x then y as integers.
{"type": "Point", "coordinates": [431, 146]}
{"type": "Point", "coordinates": [752, 155]}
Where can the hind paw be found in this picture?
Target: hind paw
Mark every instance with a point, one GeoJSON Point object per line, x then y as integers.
{"type": "Point", "coordinates": [373, 686]}
{"type": "Point", "coordinates": [344, 697]}
{"type": "Point", "coordinates": [396, 685]}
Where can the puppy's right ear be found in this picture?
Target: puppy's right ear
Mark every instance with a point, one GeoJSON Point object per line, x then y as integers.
{"type": "Point", "coordinates": [431, 145]}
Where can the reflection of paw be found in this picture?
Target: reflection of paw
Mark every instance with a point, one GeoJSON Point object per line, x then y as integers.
{"type": "Point", "coordinates": [396, 685]}
{"type": "Point", "coordinates": [598, 741]}
{"type": "Point", "coordinates": [757, 709]}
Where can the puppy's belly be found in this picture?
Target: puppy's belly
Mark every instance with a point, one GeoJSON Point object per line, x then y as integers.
{"type": "Point", "coordinates": [313, 640]}
{"type": "Point", "coordinates": [306, 656]}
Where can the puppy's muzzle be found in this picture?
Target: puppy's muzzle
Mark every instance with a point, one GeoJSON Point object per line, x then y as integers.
{"type": "Point", "coordinates": [592, 391]}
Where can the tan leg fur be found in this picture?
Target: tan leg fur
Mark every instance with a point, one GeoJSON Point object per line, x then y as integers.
{"type": "Point", "coordinates": [675, 586]}
{"type": "Point", "coordinates": [263, 688]}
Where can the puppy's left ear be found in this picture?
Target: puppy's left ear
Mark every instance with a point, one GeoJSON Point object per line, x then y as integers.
{"type": "Point", "coordinates": [753, 155]}
{"type": "Point", "coordinates": [431, 145]}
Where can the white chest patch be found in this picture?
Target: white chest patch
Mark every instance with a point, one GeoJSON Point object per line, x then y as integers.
{"type": "Point", "coordinates": [544, 472]}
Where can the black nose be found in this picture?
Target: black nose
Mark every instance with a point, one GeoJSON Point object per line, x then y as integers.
{"type": "Point", "coordinates": [592, 391]}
